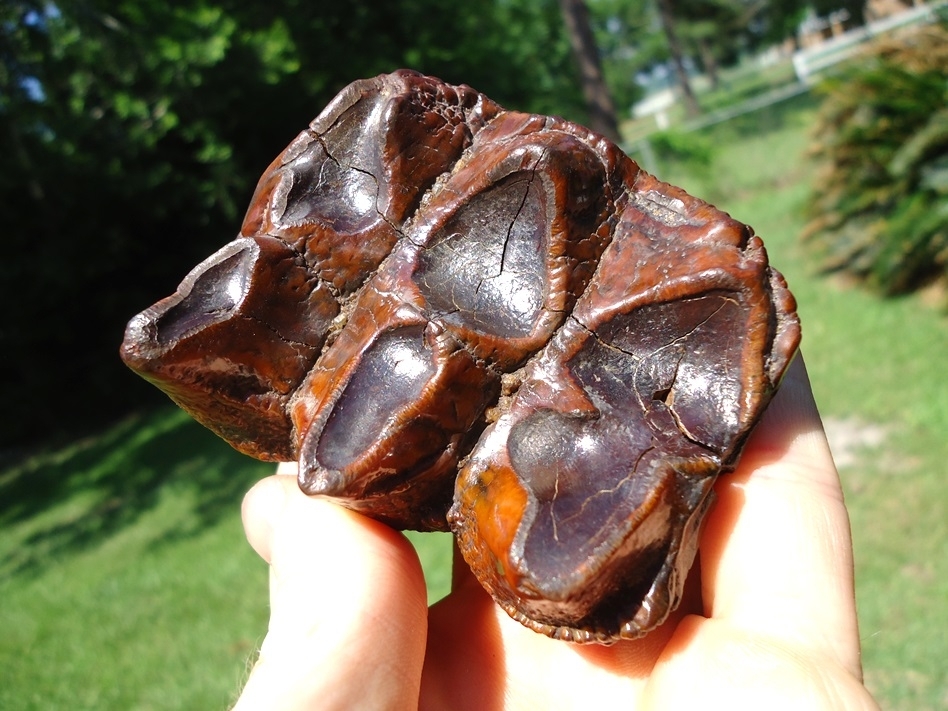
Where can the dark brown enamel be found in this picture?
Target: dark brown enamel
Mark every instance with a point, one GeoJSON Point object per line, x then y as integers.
{"type": "Point", "coordinates": [623, 422]}
{"type": "Point", "coordinates": [425, 282]}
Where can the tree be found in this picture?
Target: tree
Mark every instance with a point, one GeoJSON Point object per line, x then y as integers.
{"type": "Point", "coordinates": [776, 21]}
{"type": "Point", "coordinates": [602, 113]}
{"type": "Point", "coordinates": [629, 39]}
{"type": "Point", "coordinates": [718, 31]}
{"type": "Point", "coordinates": [706, 26]}
{"type": "Point", "coordinates": [881, 214]}
{"type": "Point", "coordinates": [855, 8]}
{"type": "Point", "coordinates": [132, 133]}
{"type": "Point", "coordinates": [669, 24]}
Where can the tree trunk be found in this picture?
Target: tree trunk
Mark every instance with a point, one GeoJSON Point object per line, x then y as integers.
{"type": "Point", "coordinates": [602, 113]}
{"type": "Point", "coordinates": [668, 24]}
{"type": "Point", "coordinates": [709, 61]}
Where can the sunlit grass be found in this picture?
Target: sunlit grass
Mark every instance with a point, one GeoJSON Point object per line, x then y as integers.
{"type": "Point", "coordinates": [124, 579]}
{"type": "Point", "coordinates": [124, 574]}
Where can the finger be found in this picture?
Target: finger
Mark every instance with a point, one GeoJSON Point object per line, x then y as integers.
{"type": "Point", "coordinates": [479, 658]}
{"type": "Point", "coordinates": [776, 553]}
{"type": "Point", "coordinates": [348, 606]}
{"type": "Point", "coordinates": [288, 468]}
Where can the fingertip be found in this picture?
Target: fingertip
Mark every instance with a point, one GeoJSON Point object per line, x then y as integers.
{"type": "Point", "coordinates": [288, 468]}
{"type": "Point", "coordinates": [348, 608]}
{"type": "Point", "coordinates": [261, 508]}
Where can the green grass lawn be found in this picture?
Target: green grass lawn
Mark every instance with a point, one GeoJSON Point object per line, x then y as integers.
{"type": "Point", "coordinates": [126, 582]}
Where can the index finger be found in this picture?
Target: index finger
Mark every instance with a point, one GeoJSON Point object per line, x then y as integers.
{"type": "Point", "coordinates": [348, 612]}
{"type": "Point", "coordinates": [776, 554]}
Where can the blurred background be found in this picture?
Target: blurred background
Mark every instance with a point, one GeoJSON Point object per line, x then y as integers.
{"type": "Point", "coordinates": [132, 135]}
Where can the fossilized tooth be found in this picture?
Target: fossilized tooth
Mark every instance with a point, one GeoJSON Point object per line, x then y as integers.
{"type": "Point", "coordinates": [340, 192]}
{"type": "Point", "coordinates": [388, 411]}
{"type": "Point", "coordinates": [488, 268]}
{"type": "Point", "coordinates": [244, 328]}
{"type": "Point", "coordinates": [421, 262]}
{"type": "Point", "coordinates": [232, 344]}
{"type": "Point", "coordinates": [581, 507]}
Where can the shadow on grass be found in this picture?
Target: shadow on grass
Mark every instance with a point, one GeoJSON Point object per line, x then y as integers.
{"type": "Point", "coordinates": [65, 502]}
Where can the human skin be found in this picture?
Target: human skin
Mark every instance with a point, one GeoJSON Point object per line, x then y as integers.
{"type": "Point", "coordinates": [768, 619]}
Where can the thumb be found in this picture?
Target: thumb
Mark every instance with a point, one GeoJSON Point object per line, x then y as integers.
{"type": "Point", "coordinates": [348, 618]}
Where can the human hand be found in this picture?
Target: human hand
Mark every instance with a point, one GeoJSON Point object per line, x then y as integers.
{"type": "Point", "coordinates": [768, 619]}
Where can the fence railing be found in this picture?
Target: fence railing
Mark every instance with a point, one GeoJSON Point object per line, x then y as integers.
{"type": "Point", "coordinates": [810, 62]}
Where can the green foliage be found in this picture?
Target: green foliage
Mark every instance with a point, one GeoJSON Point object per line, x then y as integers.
{"type": "Point", "coordinates": [715, 33]}
{"type": "Point", "coordinates": [691, 148]}
{"type": "Point", "coordinates": [629, 40]}
{"type": "Point", "coordinates": [709, 27]}
{"type": "Point", "coordinates": [132, 133]}
{"type": "Point", "coordinates": [718, 32]}
{"type": "Point", "coordinates": [682, 158]}
{"type": "Point", "coordinates": [881, 209]}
